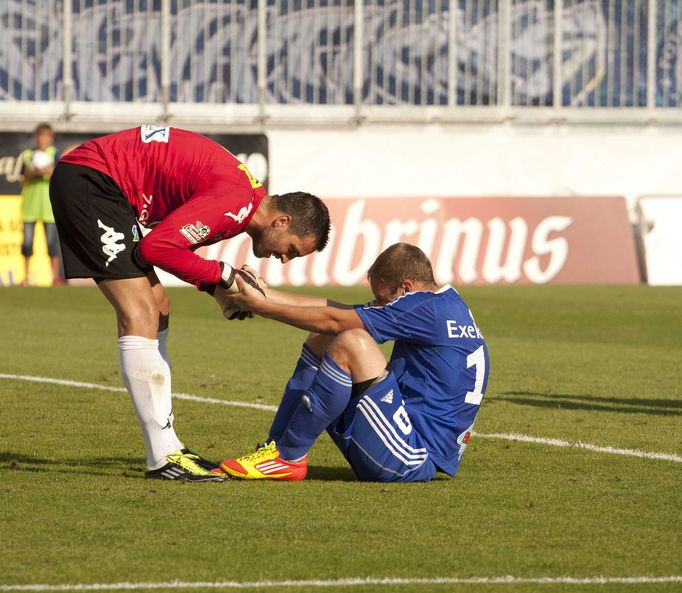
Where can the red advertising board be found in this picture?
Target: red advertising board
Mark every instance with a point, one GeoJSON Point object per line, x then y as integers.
{"type": "Point", "coordinates": [500, 240]}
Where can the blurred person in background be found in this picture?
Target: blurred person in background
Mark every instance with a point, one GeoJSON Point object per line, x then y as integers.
{"type": "Point", "coordinates": [37, 166]}
{"type": "Point", "coordinates": [401, 422]}
{"type": "Point", "coordinates": [190, 191]}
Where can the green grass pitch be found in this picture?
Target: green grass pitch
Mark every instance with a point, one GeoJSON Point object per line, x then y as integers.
{"type": "Point", "coordinates": [599, 365]}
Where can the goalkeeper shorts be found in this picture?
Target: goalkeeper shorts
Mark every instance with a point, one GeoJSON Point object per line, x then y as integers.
{"type": "Point", "coordinates": [98, 230]}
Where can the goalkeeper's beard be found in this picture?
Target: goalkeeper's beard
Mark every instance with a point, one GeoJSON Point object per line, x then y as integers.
{"type": "Point", "coordinates": [259, 240]}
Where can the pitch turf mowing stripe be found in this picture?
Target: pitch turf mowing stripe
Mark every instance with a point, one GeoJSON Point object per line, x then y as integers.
{"type": "Point", "coordinates": [500, 436]}
{"type": "Point", "coordinates": [506, 580]}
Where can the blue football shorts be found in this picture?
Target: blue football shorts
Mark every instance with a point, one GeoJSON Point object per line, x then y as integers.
{"type": "Point", "coordinates": [377, 438]}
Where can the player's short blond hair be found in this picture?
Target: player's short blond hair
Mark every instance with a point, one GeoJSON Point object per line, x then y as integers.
{"type": "Point", "coordinates": [401, 261]}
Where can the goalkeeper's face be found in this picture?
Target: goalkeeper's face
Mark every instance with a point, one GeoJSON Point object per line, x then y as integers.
{"type": "Point", "coordinates": [277, 241]}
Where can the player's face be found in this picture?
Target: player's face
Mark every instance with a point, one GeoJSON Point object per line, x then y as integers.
{"type": "Point", "coordinates": [280, 243]}
{"type": "Point", "coordinates": [382, 294]}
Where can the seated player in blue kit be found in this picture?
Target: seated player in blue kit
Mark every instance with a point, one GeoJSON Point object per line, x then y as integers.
{"type": "Point", "coordinates": [398, 423]}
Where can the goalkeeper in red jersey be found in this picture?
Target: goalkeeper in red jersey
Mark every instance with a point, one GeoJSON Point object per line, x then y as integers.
{"type": "Point", "coordinates": [192, 192]}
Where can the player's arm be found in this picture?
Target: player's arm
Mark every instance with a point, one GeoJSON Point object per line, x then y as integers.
{"type": "Point", "coordinates": [320, 318]}
{"type": "Point", "coordinates": [287, 298]}
{"type": "Point", "coordinates": [171, 244]}
{"type": "Point", "coordinates": [299, 300]}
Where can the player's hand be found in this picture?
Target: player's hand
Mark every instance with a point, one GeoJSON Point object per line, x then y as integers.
{"type": "Point", "coordinates": [248, 297]}
{"type": "Point", "coordinates": [229, 276]}
{"type": "Point", "coordinates": [229, 309]}
{"type": "Point", "coordinates": [231, 283]}
{"type": "Point", "coordinates": [259, 279]}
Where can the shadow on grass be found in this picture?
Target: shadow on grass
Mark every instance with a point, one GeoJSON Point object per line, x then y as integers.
{"type": "Point", "coordinates": [127, 467]}
{"type": "Point", "coordinates": [658, 407]}
{"type": "Point", "coordinates": [97, 466]}
{"type": "Point", "coordinates": [331, 474]}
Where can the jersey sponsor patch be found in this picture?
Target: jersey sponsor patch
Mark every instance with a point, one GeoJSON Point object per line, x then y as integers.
{"type": "Point", "coordinates": [154, 134]}
{"type": "Point", "coordinates": [195, 233]}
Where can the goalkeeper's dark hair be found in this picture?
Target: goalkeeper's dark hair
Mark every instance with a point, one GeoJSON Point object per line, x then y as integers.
{"type": "Point", "coordinates": [401, 261]}
{"type": "Point", "coordinates": [309, 216]}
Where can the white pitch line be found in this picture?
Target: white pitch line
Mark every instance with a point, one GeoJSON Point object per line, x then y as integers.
{"type": "Point", "coordinates": [500, 436]}
{"type": "Point", "coordinates": [187, 396]}
{"type": "Point", "coordinates": [504, 580]}
{"type": "Point", "coordinates": [578, 445]}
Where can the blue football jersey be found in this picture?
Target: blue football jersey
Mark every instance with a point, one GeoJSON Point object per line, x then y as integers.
{"type": "Point", "coordinates": [441, 362]}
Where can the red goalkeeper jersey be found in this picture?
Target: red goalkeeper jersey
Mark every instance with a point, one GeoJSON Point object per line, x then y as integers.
{"type": "Point", "coordinates": [190, 189]}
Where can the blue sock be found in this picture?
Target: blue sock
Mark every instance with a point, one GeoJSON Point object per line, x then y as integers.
{"type": "Point", "coordinates": [325, 400]}
{"type": "Point", "coordinates": [304, 373]}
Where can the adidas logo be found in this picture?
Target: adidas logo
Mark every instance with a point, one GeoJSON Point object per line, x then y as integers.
{"type": "Point", "coordinates": [388, 398]}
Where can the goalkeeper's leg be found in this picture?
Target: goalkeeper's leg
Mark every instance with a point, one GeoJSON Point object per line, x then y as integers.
{"type": "Point", "coordinates": [145, 373]}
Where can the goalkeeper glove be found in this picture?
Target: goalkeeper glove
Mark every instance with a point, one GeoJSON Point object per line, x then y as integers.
{"type": "Point", "coordinates": [228, 286]}
{"type": "Point", "coordinates": [228, 278]}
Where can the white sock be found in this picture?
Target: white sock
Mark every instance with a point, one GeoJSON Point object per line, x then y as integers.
{"type": "Point", "coordinates": [147, 378]}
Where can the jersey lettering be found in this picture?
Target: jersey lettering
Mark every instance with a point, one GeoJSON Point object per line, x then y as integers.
{"type": "Point", "coordinates": [147, 200]}
{"type": "Point", "coordinates": [462, 331]}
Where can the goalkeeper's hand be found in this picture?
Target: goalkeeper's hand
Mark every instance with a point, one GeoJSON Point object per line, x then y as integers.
{"type": "Point", "coordinates": [228, 286]}
{"type": "Point", "coordinates": [229, 309]}
{"type": "Point", "coordinates": [228, 278]}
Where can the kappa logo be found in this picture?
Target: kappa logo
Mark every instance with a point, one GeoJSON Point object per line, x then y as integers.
{"type": "Point", "coordinates": [388, 398]}
{"type": "Point", "coordinates": [109, 239]}
{"type": "Point", "coordinates": [241, 215]}
{"type": "Point", "coordinates": [195, 233]}
{"type": "Point", "coordinates": [154, 134]}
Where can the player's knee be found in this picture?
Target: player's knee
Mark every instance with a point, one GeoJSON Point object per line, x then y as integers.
{"type": "Point", "coordinates": [319, 343]}
{"type": "Point", "coordinates": [139, 318]}
{"type": "Point", "coordinates": [352, 341]}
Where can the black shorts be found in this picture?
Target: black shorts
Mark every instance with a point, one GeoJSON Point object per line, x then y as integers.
{"type": "Point", "coordinates": [98, 230]}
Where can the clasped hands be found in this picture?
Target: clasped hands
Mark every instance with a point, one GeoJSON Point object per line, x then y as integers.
{"type": "Point", "coordinates": [239, 291]}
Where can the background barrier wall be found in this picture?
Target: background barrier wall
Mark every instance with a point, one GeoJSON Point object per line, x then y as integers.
{"type": "Point", "coordinates": [505, 240]}
{"type": "Point", "coordinates": [480, 160]}
{"type": "Point", "coordinates": [11, 260]}
{"type": "Point", "coordinates": [660, 221]}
